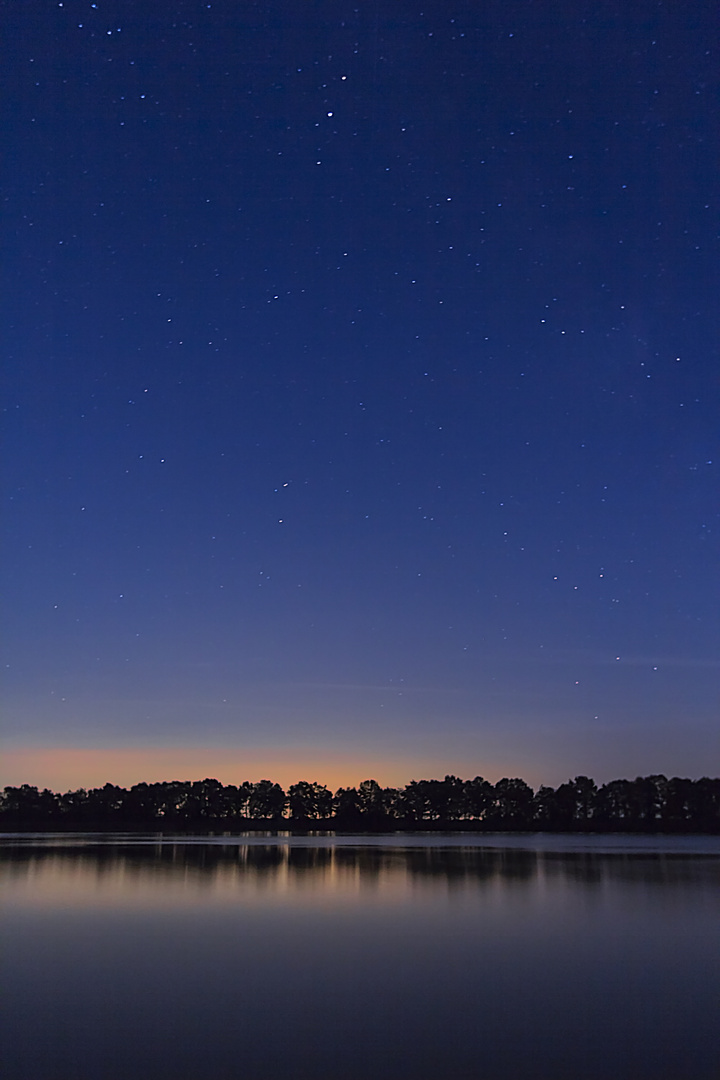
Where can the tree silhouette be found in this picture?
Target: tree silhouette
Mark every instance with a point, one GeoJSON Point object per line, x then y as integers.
{"type": "Point", "coordinates": [266, 800]}
{"type": "Point", "coordinates": [512, 807]}
{"type": "Point", "coordinates": [309, 800]}
{"type": "Point", "coordinates": [647, 804]}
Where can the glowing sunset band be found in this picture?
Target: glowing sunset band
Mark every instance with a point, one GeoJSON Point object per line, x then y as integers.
{"type": "Point", "coordinates": [67, 768]}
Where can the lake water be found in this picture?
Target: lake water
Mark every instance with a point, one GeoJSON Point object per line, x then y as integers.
{"type": "Point", "coordinates": [360, 958]}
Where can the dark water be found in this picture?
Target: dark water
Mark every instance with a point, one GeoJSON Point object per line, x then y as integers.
{"type": "Point", "coordinates": [406, 958]}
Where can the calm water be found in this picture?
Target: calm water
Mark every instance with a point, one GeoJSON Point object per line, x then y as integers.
{"type": "Point", "coordinates": [256, 958]}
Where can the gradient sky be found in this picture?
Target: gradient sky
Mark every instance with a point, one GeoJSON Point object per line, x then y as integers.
{"type": "Point", "coordinates": [362, 390]}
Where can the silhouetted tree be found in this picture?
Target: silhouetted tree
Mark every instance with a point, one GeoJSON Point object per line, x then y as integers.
{"type": "Point", "coordinates": [173, 800]}
{"type": "Point", "coordinates": [585, 794]}
{"type": "Point", "coordinates": [72, 806]}
{"type": "Point", "coordinates": [141, 803]}
{"type": "Point", "coordinates": [647, 803]}
{"type": "Point", "coordinates": [346, 802]}
{"type": "Point", "coordinates": [512, 804]}
{"type": "Point", "coordinates": [454, 798]}
{"type": "Point", "coordinates": [417, 801]}
{"type": "Point", "coordinates": [647, 796]}
{"type": "Point", "coordinates": [267, 800]}
{"type": "Point", "coordinates": [370, 799]}
{"type": "Point", "coordinates": [545, 809]}
{"type": "Point", "coordinates": [392, 798]}
{"type": "Point", "coordinates": [706, 804]}
{"type": "Point", "coordinates": [678, 803]}
{"type": "Point", "coordinates": [613, 804]}
{"type": "Point", "coordinates": [479, 797]}
{"type": "Point", "coordinates": [309, 800]}
{"type": "Point", "coordinates": [572, 805]}
{"type": "Point", "coordinates": [106, 804]}
{"type": "Point", "coordinates": [28, 802]}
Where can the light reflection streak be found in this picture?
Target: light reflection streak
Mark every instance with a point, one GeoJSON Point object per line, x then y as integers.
{"type": "Point", "coordinates": [178, 874]}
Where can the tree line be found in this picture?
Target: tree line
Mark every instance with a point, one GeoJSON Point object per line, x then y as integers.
{"type": "Point", "coordinates": [649, 803]}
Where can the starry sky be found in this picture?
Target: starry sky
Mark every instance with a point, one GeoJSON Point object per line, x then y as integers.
{"type": "Point", "coordinates": [361, 390]}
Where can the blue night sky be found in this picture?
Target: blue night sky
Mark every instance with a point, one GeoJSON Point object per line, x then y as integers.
{"type": "Point", "coordinates": [362, 389]}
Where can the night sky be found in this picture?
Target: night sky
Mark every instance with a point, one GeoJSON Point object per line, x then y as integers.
{"type": "Point", "coordinates": [362, 390]}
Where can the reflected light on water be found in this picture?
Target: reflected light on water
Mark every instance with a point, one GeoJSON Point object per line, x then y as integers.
{"type": "Point", "coordinates": [279, 958]}
{"type": "Point", "coordinates": [167, 874]}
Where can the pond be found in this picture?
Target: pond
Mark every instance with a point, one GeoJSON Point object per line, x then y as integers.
{"type": "Point", "coordinates": [468, 956]}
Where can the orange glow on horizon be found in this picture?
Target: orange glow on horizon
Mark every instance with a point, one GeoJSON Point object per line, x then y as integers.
{"type": "Point", "coordinates": [69, 768]}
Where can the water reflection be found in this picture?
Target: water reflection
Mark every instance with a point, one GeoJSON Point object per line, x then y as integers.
{"type": "Point", "coordinates": [471, 866]}
{"type": "Point", "coordinates": [265, 959]}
